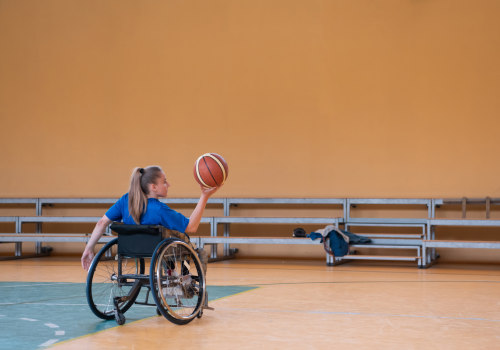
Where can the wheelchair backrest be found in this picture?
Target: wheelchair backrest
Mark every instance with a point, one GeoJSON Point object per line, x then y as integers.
{"type": "Point", "coordinates": [137, 240]}
{"type": "Point", "coordinates": [141, 240]}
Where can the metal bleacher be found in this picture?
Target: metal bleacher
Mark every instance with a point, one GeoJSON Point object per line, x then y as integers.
{"type": "Point", "coordinates": [409, 238]}
{"type": "Point", "coordinates": [411, 241]}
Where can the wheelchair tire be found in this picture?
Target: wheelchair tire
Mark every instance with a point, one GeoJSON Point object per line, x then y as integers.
{"type": "Point", "coordinates": [177, 281]}
{"type": "Point", "coordinates": [103, 285]}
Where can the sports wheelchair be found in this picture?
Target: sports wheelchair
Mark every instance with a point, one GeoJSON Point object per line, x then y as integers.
{"type": "Point", "coordinates": [176, 279]}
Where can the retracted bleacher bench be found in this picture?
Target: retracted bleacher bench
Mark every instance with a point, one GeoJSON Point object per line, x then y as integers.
{"type": "Point", "coordinates": [389, 241]}
{"type": "Point", "coordinates": [226, 239]}
{"type": "Point", "coordinates": [432, 243]}
{"type": "Point", "coordinates": [333, 204]}
{"type": "Point", "coordinates": [417, 234]}
{"type": "Point", "coordinates": [20, 237]}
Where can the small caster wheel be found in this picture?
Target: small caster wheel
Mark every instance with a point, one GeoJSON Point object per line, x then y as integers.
{"type": "Point", "coordinates": [158, 312]}
{"type": "Point", "coordinates": [200, 313]}
{"type": "Point", "coordinates": [119, 318]}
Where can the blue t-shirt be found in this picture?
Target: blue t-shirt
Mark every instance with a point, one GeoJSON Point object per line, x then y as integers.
{"type": "Point", "coordinates": [157, 213]}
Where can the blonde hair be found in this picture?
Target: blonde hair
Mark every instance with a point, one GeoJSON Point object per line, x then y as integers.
{"type": "Point", "coordinates": [139, 190]}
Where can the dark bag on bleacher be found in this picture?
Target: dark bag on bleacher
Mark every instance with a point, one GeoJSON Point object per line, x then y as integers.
{"type": "Point", "coordinates": [299, 232]}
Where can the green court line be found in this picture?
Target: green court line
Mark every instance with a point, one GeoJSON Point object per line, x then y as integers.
{"type": "Point", "coordinates": [37, 315]}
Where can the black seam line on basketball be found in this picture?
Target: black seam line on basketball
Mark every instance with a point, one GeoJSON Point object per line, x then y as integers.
{"type": "Point", "coordinates": [210, 171]}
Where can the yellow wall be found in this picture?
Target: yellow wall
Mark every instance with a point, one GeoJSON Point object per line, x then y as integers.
{"type": "Point", "coordinates": [332, 98]}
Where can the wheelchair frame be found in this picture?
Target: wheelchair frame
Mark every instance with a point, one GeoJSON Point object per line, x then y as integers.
{"type": "Point", "coordinates": [176, 279]}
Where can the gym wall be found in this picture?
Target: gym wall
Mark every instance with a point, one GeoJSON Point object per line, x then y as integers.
{"type": "Point", "coordinates": [303, 98]}
{"type": "Point", "coordinates": [316, 98]}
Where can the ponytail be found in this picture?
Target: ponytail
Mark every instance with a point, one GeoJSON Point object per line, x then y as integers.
{"type": "Point", "coordinates": [139, 190]}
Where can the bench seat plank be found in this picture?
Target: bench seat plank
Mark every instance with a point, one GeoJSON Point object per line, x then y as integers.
{"type": "Point", "coordinates": [462, 244]}
{"type": "Point", "coordinates": [273, 220]}
{"type": "Point", "coordinates": [463, 222]}
{"type": "Point", "coordinates": [49, 237]}
{"type": "Point", "coordinates": [381, 257]}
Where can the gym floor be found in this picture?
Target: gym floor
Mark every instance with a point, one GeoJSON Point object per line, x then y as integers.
{"type": "Point", "coordinates": [271, 304]}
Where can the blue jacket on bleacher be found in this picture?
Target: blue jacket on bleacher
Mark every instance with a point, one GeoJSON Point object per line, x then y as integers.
{"type": "Point", "coordinates": [339, 239]}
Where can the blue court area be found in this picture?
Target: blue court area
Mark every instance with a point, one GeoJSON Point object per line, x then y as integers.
{"type": "Point", "coordinates": [36, 315]}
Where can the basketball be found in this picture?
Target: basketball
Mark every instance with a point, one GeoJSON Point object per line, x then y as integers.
{"type": "Point", "coordinates": [210, 170]}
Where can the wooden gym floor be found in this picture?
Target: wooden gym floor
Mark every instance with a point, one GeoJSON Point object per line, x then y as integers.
{"type": "Point", "coordinates": [295, 305]}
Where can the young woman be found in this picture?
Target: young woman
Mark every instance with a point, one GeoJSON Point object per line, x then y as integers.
{"type": "Point", "coordinates": [141, 206]}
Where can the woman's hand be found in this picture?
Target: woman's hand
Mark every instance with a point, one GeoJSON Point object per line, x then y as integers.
{"type": "Point", "coordinates": [208, 191]}
{"type": "Point", "coordinates": [87, 257]}
{"type": "Point", "coordinates": [88, 253]}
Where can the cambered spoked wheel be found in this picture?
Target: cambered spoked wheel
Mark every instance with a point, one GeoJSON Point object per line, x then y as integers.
{"type": "Point", "coordinates": [177, 281]}
{"type": "Point", "coordinates": [108, 280]}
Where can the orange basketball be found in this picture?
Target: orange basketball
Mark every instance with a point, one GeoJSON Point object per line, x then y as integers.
{"type": "Point", "coordinates": [210, 170]}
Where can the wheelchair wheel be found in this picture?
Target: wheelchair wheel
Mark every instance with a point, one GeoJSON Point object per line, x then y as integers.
{"type": "Point", "coordinates": [177, 281]}
{"type": "Point", "coordinates": [104, 284]}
